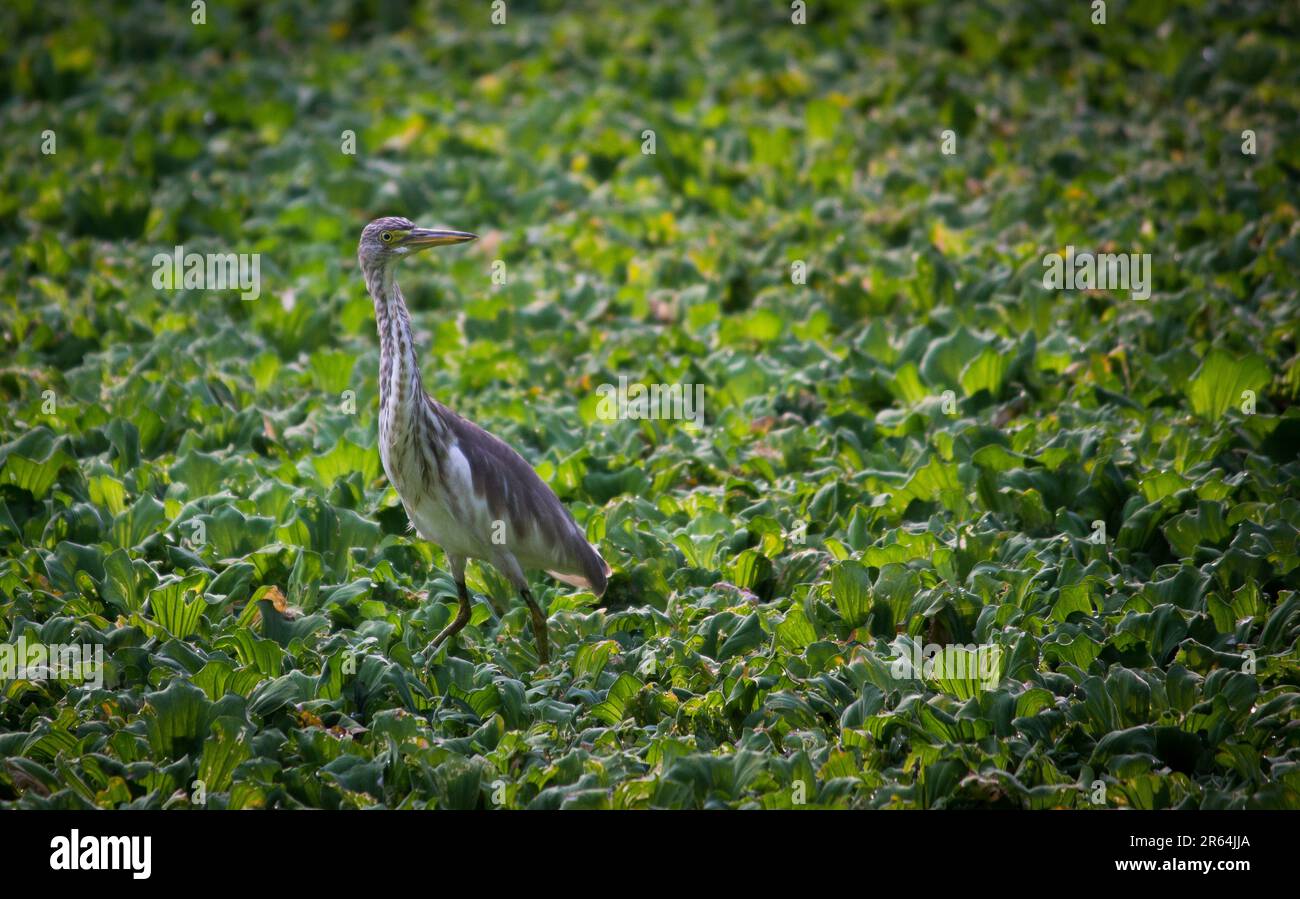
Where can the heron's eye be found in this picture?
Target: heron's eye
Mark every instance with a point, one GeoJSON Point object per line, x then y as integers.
{"type": "Point", "coordinates": [386, 237]}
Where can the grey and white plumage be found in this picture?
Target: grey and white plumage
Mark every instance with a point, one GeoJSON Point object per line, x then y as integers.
{"type": "Point", "coordinates": [463, 488]}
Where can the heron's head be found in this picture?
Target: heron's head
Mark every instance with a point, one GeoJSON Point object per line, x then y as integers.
{"type": "Point", "coordinates": [388, 239]}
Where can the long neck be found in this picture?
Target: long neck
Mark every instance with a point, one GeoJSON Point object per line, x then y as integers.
{"type": "Point", "coordinates": [412, 432]}
{"type": "Point", "coordinates": [399, 370]}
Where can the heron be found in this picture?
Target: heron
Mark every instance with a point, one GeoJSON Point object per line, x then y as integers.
{"type": "Point", "coordinates": [462, 488]}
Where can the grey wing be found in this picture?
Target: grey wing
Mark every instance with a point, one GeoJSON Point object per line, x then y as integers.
{"type": "Point", "coordinates": [536, 517]}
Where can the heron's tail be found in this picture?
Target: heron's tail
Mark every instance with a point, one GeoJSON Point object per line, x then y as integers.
{"type": "Point", "coordinates": [594, 573]}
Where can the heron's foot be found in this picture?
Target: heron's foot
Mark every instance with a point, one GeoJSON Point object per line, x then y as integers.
{"type": "Point", "coordinates": [539, 628]}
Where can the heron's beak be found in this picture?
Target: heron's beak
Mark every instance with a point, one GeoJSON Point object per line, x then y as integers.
{"type": "Point", "coordinates": [419, 238]}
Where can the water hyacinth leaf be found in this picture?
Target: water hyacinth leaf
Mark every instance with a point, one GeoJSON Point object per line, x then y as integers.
{"type": "Point", "coordinates": [947, 356]}
{"type": "Point", "coordinates": [851, 589]}
{"type": "Point", "coordinates": [591, 658]}
{"type": "Point", "coordinates": [178, 608]}
{"type": "Point", "coordinates": [223, 752]}
{"type": "Point", "coordinates": [231, 585]}
{"type": "Point", "coordinates": [127, 582]}
{"type": "Point", "coordinates": [965, 672]}
{"type": "Point", "coordinates": [356, 775]}
{"type": "Point", "coordinates": [143, 519]}
{"type": "Point", "coordinates": [218, 678]}
{"type": "Point", "coordinates": [1079, 650]}
{"type": "Point", "coordinates": [985, 372]}
{"type": "Point", "coordinates": [458, 784]}
{"type": "Point", "coordinates": [107, 491]}
{"type": "Point", "coordinates": [344, 458]}
{"type": "Point", "coordinates": [750, 569]}
{"type": "Point", "coordinates": [1202, 526]}
{"type": "Point", "coordinates": [796, 631]}
{"type": "Point", "coordinates": [33, 462]}
{"type": "Point", "coordinates": [1222, 380]}
{"type": "Point", "coordinates": [274, 695]}
{"type": "Point", "coordinates": [743, 638]}
{"type": "Point", "coordinates": [611, 710]}
{"type": "Point", "coordinates": [262, 655]}
{"type": "Point", "coordinates": [177, 718]}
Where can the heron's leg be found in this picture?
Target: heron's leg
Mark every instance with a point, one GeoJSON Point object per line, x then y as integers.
{"type": "Point", "coordinates": [461, 619]}
{"type": "Point", "coordinates": [539, 626]}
